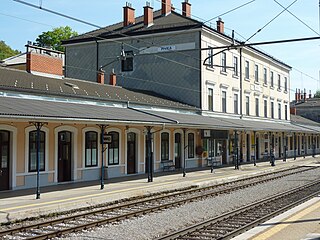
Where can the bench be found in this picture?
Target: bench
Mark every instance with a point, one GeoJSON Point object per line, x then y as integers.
{"type": "Point", "coordinates": [168, 165]}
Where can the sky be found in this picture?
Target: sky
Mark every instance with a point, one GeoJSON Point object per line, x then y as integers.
{"type": "Point", "coordinates": [20, 23]}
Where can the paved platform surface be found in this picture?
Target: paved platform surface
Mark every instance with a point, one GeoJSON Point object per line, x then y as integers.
{"type": "Point", "coordinates": [21, 204]}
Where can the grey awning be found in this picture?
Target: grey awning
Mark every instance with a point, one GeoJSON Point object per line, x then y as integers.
{"type": "Point", "coordinates": [30, 109]}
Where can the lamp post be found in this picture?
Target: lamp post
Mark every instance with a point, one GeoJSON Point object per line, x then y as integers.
{"type": "Point", "coordinates": [184, 155]}
{"type": "Point", "coordinates": [102, 128]}
{"type": "Point", "coordinates": [38, 126]}
{"type": "Point", "coordinates": [295, 146]}
{"type": "Point", "coordinates": [150, 162]}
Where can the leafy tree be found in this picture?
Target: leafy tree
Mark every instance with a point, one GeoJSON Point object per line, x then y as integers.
{"type": "Point", "coordinates": [54, 38]}
{"type": "Point", "coordinates": [317, 94]}
{"type": "Point", "coordinates": [6, 51]}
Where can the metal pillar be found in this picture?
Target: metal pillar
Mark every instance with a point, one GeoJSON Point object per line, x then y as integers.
{"type": "Point", "coordinates": [313, 146]}
{"type": "Point", "coordinates": [255, 150]}
{"type": "Point", "coordinates": [305, 146]}
{"type": "Point", "coordinates": [272, 157]}
{"type": "Point", "coordinates": [102, 128]}
{"type": "Point", "coordinates": [295, 146]}
{"type": "Point", "coordinates": [236, 158]}
{"type": "Point", "coordinates": [212, 152]}
{"type": "Point", "coordinates": [184, 151]}
{"type": "Point", "coordinates": [150, 164]}
{"type": "Point", "coordinates": [38, 126]}
{"type": "Point", "coordinates": [284, 140]}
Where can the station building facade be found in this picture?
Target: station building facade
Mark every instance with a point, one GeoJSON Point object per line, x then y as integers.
{"type": "Point", "coordinates": [195, 112]}
{"type": "Point", "coordinates": [176, 56]}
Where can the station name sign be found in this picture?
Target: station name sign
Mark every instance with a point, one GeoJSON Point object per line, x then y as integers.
{"type": "Point", "coordinates": [214, 134]}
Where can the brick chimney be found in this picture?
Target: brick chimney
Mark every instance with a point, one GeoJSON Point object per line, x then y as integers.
{"type": "Point", "coordinates": [293, 110]}
{"type": "Point", "coordinates": [296, 95]}
{"type": "Point", "coordinates": [186, 8]}
{"type": "Point", "coordinates": [113, 79]}
{"type": "Point", "coordinates": [148, 15]}
{"type": "Point", "coordinates": [310, 95]}
{"type": "Point", "coordinates": [100, 78]}
{"type": "Point", "coordinates": [220, 25]}
{"type": "Point", "coordinates": [166, 7]}
{"type": "Point", "coordinates": [304, 95]}
{"type": "Point", "coordinates": [128, 15]}
{"type": "Point", "coordinates": [44, 61]}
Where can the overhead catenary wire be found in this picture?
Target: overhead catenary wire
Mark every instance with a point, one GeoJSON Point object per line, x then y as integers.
{"type": "Point", "coordinates": [297, 18]}
{"type": "Point", "coordinates": [260, 29]}
{"type": "Point", "coordinates": [170, 59]}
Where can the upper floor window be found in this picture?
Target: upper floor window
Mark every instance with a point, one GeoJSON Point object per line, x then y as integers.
{"type": "Point", "coordinates": [223, 62]}
{"type": "Point", "coordinates": [235, 65]}
{"type": "Point", "coordinates": [210, 59]}
{"type": "Point", "coordinates": [247, 105]}
{"type": "Point", "coordinates": [285, 84]}
{"type": "Point", "coordinates": [265, 81]}
{"type": "Point", "coordinates": [235, 103]}
{"type": "Point", "coordinates": [272, 109]}
{"type": "Point", "coordinates": [33, 164]}
{"type": "Point", "coordinates": [190, 145]}
{"type": "Point", "coordinates": [256, 73]}
{"type": "Point", "coordinates": [247, 69]}
{"type": "Point", "coordinates": [224, 101]}
{"type": "Point", "coordinates": [257, 107]}
{"type": "Point", "coordinates": [279, 81]}
{"type": "Point", "coordinates": [164, 146]}
{"type": "Point", "coordinates": [113, 150]}
{"type": "Point", "coordinates": [279, 110]}
{"type": "Point", "coordinates": [210, 99]}
{"type": "Point", "coordinates": [286, 112]}
{"type": "Point", "coordinates": [265, 108]}
{"type": "Point", "coordinates": [271, 79]}
{"type": "Point", "coordinates": [91, 146]}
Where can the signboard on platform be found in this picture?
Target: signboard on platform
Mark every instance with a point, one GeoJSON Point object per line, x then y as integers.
{"type": "Point", "coordinates": [106, 139]}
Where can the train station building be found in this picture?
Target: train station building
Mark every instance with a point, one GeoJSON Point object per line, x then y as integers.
{"type": "Point", "coordinates": [160, 89]}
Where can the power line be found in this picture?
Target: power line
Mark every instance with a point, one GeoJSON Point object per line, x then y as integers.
{"type": "Point", "coordinates": [155, 55]}
{"type": "Point", "coordinates": [259, 30]}
{"type": "Point", "coordinates": [296, 17]}
{"type": "Point", "coordinates": [205, 21]}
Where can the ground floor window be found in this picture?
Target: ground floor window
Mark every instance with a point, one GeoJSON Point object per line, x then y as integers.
{"type": "Point", "coordinates": [91, 145]}
{"type": "Point", "coordinates": [164, 146]}
{"type": "Point", "coordinates": [33, 151]}
{"type": "Point", "coordinates": [113, 151]}
{"type": "Point", "coordinates": [190, 145]}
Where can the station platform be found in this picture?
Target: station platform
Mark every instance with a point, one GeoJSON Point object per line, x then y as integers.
{"type": "Point", "coordinates": [21, 204]}
{"type": "Point", "coordinates": [299, 223]}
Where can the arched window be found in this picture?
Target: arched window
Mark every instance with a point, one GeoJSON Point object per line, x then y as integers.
{"type": "Point", "coordinates": [91, 146]}
{"type": "Point", "coordinates": [113, 152]}
{"type": "Point", "coordinates": [190, 145]}
{"type": "Point", "coordinates": [33, 151]}
{"type": "Point", "coordinates": [164, 146]}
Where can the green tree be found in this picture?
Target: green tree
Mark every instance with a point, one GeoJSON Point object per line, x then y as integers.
{"type": "Point", "coordinates": [6, 51]}
{"type": "Point", "coordinates": [317, 94]}
{"type": "Point", "coordinates": [54, 38]}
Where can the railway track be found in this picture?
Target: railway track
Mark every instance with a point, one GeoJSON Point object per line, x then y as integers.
{"type": "Point", "coordinates": [94, 218]}
{"type": "Point", "coordinates": [236, 222]}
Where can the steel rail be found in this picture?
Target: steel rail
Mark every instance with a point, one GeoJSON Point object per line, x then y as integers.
{"type": "Point", "coordinates": [152, 205]}
{"type": "Point", "coordinates": [202, 228]}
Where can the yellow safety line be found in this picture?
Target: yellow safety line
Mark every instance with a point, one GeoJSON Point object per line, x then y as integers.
{"type": "Point", "coordinates": [272, 231]}
{"type": "Point", "coordinates": [81, 197]}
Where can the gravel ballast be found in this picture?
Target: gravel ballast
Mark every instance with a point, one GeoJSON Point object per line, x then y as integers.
{"type": "Point", "coordinates": [156, 224]}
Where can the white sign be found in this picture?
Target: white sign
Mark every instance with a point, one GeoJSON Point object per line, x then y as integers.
{"type": "Point", "coordinates": [166, 48]}
{"type": "Point", "coordinates": [206, 133]}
